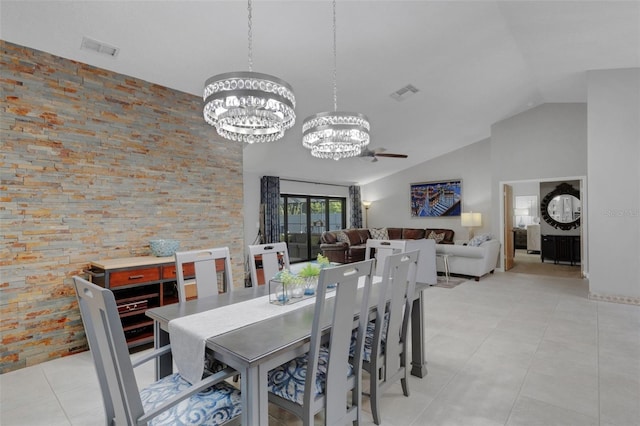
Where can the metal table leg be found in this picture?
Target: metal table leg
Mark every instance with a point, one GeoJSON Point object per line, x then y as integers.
{"type": "Point", "coordinates": [164, 363]}
{"type": "Point", "coordinates": [418, 360]}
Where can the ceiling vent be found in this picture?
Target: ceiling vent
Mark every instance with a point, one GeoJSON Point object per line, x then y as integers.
{"type": "Point", "coordinates": [404, 93]}
{"type": "Point", "coordinates": [97, 46]}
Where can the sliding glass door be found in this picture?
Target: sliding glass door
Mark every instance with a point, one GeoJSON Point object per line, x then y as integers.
{"type": "Point", "coordinates": [304, 218]}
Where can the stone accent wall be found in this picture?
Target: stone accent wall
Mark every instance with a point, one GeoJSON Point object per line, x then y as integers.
{"type": "Point", "coordinates": [93, 165]}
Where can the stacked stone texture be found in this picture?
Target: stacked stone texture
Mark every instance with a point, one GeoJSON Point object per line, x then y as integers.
{"type": "Point", "coordinates": [93, 165]}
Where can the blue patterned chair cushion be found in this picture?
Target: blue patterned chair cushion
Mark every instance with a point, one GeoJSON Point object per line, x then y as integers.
{"type": "Point", "coordinates": [368, 339]}
{"type": "Point", "coordinates": [287, 380]}
{"type": "Point", "coordinates": [213, 406]}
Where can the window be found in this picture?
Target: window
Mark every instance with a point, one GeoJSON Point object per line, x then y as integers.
{"type": "Point", "coordinates": [303, 219]}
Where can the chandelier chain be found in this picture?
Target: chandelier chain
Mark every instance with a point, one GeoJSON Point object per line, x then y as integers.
{"type": "Point", "coordinates": [250, 36]}
{"type": "Point", "coordinates": [335, 61]}
{"type": "Point", "coordinates": [247, 106]}
{"type": "Point", "coordinates": [335, 135]}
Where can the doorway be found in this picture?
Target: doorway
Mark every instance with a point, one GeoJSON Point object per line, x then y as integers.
{"type": "Point", "coordinates": [516, 256]}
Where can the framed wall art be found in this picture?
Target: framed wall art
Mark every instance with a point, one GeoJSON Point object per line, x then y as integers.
{"type": "Point", "coordinates": [436, 199]}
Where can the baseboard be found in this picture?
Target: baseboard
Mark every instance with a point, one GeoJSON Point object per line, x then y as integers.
{"type": "Point", "coordinates": [615, 299]}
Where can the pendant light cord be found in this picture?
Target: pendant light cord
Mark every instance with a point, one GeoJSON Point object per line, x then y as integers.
{"type": "Point", "coordinates": [250, 38]}
{"type": "Point", "coordinates": [335, 62]}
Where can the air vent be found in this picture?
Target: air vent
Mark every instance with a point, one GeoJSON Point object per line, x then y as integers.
{"type": "Point", "coordinates": [99, 47]}
{"type": "Point", "coordinates": [404, 93]}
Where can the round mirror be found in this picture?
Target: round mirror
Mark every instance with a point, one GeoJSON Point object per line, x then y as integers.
{"type": "Point", "coordinates": [564, 208]}
{"type": "Point", "coordinates": [561, 208]}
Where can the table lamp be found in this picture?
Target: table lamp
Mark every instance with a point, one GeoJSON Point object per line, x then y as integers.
{"type": "Point", "coordinates": [471, 220]}
{"type": "Point", "coordinates": [522, 212]}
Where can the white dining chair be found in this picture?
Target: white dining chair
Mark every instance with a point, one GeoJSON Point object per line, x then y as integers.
{"type": "Point", "coordinates": [274, 257]}
{"type": "Point", "coordinates": [324, 378]}
{"type": "Point", "coordinates": [169, 401]}
{"type": "Point", "coordinates": [385, 346]}
{"type": "Point", "coordinates": [380, 249]}
{"type": "Point", "coordinates": [205, 272]}
{"type": "Point", "coordinates": [205, 281]}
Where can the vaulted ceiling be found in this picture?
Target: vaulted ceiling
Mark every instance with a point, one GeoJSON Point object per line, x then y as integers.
{"type": "Point", "coordinates": [473, 62]}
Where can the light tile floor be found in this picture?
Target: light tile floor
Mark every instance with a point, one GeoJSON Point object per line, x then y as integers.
{"type": "Point", "coordinates": [511, 349]}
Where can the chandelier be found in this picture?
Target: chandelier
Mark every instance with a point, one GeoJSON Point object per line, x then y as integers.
{"type": "Point", "coordinates": [335, 134]}
{"type": "Point", "coordinates": [247, 106]}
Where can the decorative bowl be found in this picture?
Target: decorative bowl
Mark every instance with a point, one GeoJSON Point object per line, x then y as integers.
{"type": "Point", "coordinates": [163, 247]}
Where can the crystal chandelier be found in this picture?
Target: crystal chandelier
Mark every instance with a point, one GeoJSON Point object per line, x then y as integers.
{"type": "Point", "coordinates": [247, 106]}
{"type": "Point", "coordinates": [335, 134]}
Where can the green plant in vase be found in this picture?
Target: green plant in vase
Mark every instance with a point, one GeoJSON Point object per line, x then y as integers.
{"type": "Point", "coordinates": [289, 282]}
{"type": "Point", "coordinates": [310, 273]}
{"type": "Point", "coordinates": [323, 261]}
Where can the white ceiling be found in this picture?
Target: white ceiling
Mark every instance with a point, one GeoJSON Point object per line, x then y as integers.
{"type": "Point", "coordinates": [474, 62]}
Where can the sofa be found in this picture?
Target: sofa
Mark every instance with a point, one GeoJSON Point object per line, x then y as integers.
{"type": "Point", "coordinates": [348, 245]}
{"type": "Point", "coordinates": [467, 260]}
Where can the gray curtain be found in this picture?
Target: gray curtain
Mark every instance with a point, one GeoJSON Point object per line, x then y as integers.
{"type": "Point", "coordinates": [356, 206]}
{"type": "Point", "coordinates": [270, 200]}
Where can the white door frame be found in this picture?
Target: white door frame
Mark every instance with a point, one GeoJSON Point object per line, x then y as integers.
{"type": "Point", "coordinates": [584, 217]}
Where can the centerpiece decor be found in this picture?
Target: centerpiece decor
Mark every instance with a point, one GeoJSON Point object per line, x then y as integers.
{"type": "Point", "coordinates": [310, 274]}
{"type": "Point", "coordinates": [286, 287]}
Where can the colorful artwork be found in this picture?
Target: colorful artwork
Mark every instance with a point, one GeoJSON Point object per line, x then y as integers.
{"type": "Point", "coordinates": [436, 199]}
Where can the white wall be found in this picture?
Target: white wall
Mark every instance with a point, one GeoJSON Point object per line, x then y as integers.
{"type": "Point", "coordinates": [544, 142]}
{"type": "Point", "coordinates": [614, 182]}
{"type": "Point", "coordinates": [390, 195]}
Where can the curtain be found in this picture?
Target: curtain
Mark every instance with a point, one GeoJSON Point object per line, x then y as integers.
{"type": "Point", "coordinates": [356, 206]}
{"type": "Point", "coordinates": [270, 201]}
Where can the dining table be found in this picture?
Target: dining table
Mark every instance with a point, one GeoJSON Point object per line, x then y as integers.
{"type": "Point", "coordinates": [257, 345]}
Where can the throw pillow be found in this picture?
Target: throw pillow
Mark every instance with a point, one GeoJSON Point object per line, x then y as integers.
{"type": "Point", "coordinates": [479, 239]}
{"type": "Point", "coordinates": [437, 237]}
{"type": "Point", "coordinates": [342, 237]}
{"type": "Point", "coordinates": [379, 234]}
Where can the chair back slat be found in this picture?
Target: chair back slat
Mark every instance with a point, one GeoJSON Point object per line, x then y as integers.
{"type": "Point", "coordinates": [274, 257]}
{"type": "Point", "coordinates": [382, 249]}
{"type": "Point", "coordinates": [206, 273]}
{"type": "Point", "coordinates": [398, 286]}
{"type": "Point", "coordinates": [110, 352]}
{"type": "Point", "coordinates": [346, 278]}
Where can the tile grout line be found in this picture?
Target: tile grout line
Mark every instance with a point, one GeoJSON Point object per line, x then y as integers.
{"type": "Point", "coordinates": [597, 373]}
{"type": "Point", "coordinates": [55, 395]}
{"type": "Point", "coordinates": [456, 374]}
{"type": "Point", "coordinates": [524, 379]}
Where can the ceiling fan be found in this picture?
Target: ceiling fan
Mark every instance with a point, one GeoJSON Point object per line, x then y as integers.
{"type": "Point", "coordinates": [373, 155]}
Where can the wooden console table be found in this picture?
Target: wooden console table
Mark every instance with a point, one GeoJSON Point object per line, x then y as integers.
{"type": "Point", "coordinates": [561, 248]}
{"type": "Point", "coordinates": [138, 284]}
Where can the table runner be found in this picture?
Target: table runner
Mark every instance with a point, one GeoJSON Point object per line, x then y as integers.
{"type": "Point", "coordinates": [189, 334]}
